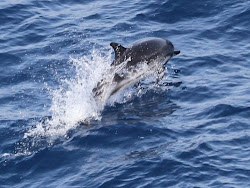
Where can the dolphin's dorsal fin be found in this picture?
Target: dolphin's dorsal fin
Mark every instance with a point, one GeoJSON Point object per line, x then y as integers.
{"type": "Point", "coordinates": [119, 49]}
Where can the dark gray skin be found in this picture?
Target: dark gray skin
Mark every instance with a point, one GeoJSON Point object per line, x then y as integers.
{"type": "Point", "coordinates": [147, 50]}
{"type": "Point", "coordinates": [144, 50]}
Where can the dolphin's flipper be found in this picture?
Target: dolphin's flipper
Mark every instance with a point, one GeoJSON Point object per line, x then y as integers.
{"type": "Point", "coordinates": [118, 78]}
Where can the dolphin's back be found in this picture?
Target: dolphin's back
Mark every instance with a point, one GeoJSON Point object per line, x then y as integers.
{"type": "Point", "coordinates": [149, 49]}
{"type": "Point", "coordinates": [151, 43]}
{"type": "Point", "coordinates": [144, 50]}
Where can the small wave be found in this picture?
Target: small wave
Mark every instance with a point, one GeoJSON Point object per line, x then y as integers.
{"type": "Point", "coordinates": [223, 110]}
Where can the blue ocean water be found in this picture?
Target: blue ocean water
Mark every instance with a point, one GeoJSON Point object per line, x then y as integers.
{"type": "Point", "coordinates": [192, 132]}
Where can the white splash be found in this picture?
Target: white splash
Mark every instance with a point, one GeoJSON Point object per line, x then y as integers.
{"type": "Point", "coordinates": [74, 102]}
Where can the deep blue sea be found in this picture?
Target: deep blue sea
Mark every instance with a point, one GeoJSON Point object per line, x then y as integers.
{"type": "Point", "coordinates": [193, 130]}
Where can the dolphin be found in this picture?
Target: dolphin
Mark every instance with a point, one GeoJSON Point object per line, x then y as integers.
{"type": "Point", "coordinates": [126, 66]}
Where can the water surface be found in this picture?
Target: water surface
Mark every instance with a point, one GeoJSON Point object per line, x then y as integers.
{"type": "Point", "coordinates": [193, 131]}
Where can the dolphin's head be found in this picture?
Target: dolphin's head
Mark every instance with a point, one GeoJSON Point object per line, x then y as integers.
{"type": "Point", "coordinates": [167, 51]}
{"type": "Point", "coordinates": [153, 50]}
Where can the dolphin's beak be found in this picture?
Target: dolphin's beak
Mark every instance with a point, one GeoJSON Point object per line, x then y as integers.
{"type": "Point", "coordinates": [176, 52]}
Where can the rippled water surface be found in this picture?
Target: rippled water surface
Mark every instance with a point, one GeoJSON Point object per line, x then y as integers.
{"type": "Point", "coordinates": [192, 131]}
